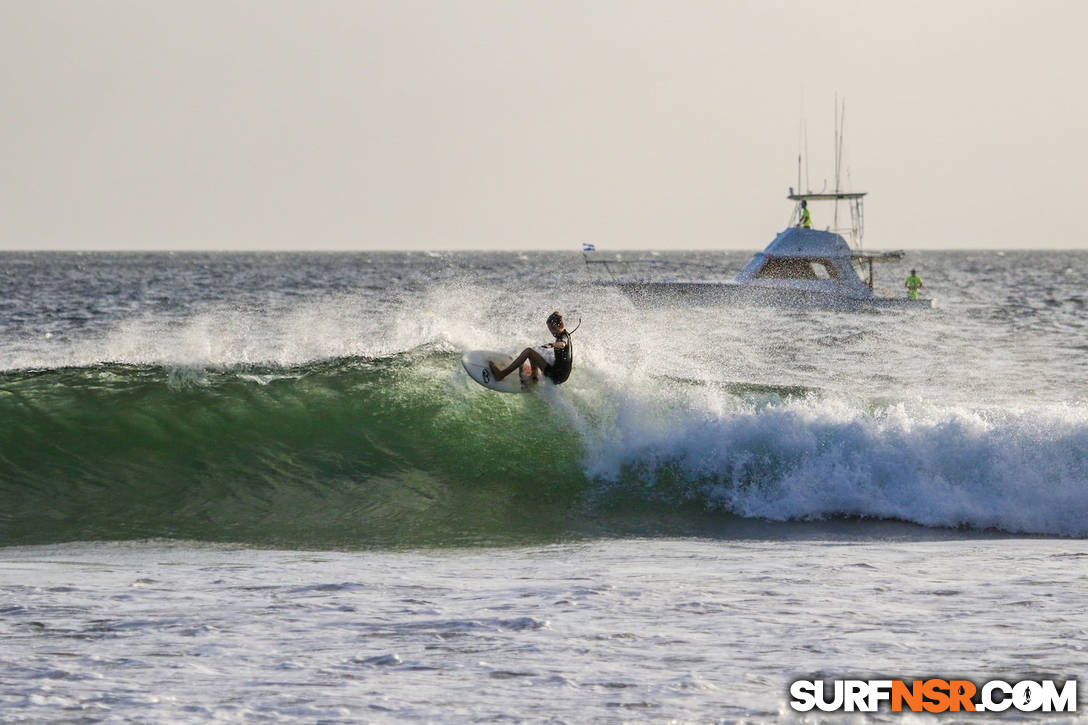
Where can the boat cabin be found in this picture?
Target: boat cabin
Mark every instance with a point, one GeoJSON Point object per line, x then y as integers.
{"type": "Point", "coordinates": [815, 260]}
{"type": "Point", "coordinates": [819, 260]}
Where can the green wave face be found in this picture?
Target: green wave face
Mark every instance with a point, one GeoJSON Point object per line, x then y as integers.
{"type": "Point", "coordinates": [350, 453]}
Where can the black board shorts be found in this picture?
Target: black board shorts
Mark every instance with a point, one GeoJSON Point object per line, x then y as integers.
{"type": "Point", "coordinates": [556, 374]}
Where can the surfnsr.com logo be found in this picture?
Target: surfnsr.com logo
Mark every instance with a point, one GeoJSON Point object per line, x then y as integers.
{"type": "Point", "coordinates": [933, 695]}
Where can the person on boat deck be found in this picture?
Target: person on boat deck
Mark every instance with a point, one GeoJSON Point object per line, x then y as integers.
{"type": "Point", "coordinates": [553, 359]}
{"type": "Point", "coordinates": [806, 218]}
{"type": "Point", "coordinates": [914, 283]}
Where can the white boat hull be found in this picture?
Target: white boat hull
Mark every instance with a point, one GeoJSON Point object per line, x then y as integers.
{"type": "Point", "coordinates": [714, 293]}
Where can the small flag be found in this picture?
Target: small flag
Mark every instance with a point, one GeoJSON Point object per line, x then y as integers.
{"type": "Point", "coordinates": [587, 247]}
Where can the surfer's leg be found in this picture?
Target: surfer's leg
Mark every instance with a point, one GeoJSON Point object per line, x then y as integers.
{"type": "Point", "coordinates": [537, 361]}
{"type": "Point", "coordinates": [529, 354]}
{"type": "Point", "coordinates": [500, 374]}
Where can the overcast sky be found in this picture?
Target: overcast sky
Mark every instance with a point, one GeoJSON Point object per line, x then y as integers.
{"type": "Point", "coordinates": [535, 124]}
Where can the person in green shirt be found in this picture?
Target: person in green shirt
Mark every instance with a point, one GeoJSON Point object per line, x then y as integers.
{"type": "Point", "coordinates": [806, 219]}
{"type": "Point", "coordinates": [914, 283]}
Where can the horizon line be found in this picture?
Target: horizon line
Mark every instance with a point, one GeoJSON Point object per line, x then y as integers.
{"type": "Point", "coordinates": [292, 250]}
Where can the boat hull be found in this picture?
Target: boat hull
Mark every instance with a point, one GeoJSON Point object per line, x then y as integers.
{"type": "Point", "coordinates": [716, 293]}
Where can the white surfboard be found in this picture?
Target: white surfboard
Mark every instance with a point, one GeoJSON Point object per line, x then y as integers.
{"type": "Point", "coordinates": [475, 363]}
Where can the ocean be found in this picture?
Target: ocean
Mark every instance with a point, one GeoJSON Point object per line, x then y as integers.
{"type": "Point", "coordinates": [260, 487]}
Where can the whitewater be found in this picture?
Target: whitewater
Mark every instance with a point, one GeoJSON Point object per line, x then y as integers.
{"type": "Point", "coordinates": [269, 472]}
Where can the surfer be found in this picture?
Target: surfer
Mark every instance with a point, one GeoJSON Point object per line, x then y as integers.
{"type": "Point", "coordinates": [554, 359]}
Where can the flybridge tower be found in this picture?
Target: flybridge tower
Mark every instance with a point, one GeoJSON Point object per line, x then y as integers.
{"type": "Point", "coordinates": [854, 199]}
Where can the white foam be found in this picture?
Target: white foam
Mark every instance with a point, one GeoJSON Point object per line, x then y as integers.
{"type": "Point", "coordinates": [1019, 470]}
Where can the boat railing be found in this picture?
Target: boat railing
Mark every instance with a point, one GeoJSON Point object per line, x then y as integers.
{"type": "Point", "coordinates": [870, 258]}
{"type": "Point", "coordinates": [625, 266]}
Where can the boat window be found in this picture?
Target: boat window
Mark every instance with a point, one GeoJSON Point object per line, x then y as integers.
{"type": "Point", "coordinates": [784, 268]}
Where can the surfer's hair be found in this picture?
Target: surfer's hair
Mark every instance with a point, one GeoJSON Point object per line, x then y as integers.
{"type": "Point", "coordinates": [555, 319]}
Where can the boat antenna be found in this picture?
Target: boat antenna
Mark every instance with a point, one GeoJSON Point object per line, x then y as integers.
{"type": "Point", "coordinates": [840, 122]}
{"type": "Point", "coordinates": [808, 182]}
{"type": "Point", "coordinates": [838, 155]}
{"type": "Point", "coordinates": [801, 141]}
{"type": "Point", "coordinates": [804, 146]}
{"type": "Point", "coordinates": [836, 143]}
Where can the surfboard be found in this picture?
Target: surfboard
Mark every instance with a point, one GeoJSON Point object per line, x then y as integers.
{"type": "Point", "coordinates": [475, 364]}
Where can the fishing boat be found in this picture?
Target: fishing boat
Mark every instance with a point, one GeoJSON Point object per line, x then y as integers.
{"type": "Point", "coordinates": [801, 267]}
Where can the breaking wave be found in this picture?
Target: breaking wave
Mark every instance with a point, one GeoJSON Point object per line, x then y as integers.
{"type": "Point", "coordinates": [404, 450]}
